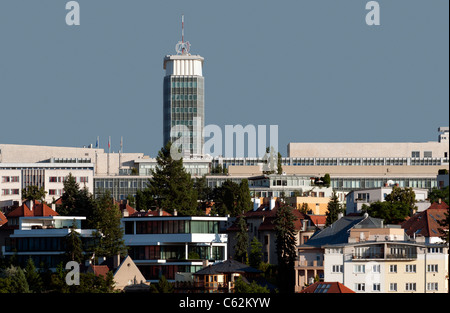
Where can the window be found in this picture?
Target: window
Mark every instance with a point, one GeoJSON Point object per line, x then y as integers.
{"type": "Point", "coordinates": [432, 286]}
{"type": "Point", "coordinates": [415, 154]}
{"type": "Point", "coordinates": [433, 268]}
{"type": "Point", "coordinates": [427, 154]}
{"type": "Point", "coordinates": [376, 268]}
{"type": "Point", "coordinates": [410, 268]}
{"type": "Point", "coordinates": [410, 287]}
{"type": "Point", "coordinates": [393, 268]}
{"type": "Point", "coordinates": [359, 268]}
{"type": "Point", "coordinates": [5, 179]}
{"type": "Point", "coordinates": [434, 250]}
{"type": "Point", "coordinates": [393, 287]}
{"type": "Point", "coordinates": [360, 287]}
{"type": "Point", "coordinates": [376, 287]}
{"type": "Point", "coordinates": [336, 269]}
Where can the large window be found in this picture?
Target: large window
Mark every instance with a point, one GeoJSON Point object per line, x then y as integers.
{"type": "Point", "coordinates": [173, 227]}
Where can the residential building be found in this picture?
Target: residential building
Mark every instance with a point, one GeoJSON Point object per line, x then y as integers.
{"type": "Point", "coordinates": [369, 257]}
{"type": "Point", "coordinates": [260, 224]}
{"type": "Point", "coordinates": [38, 233]}
{"type": "Point", "coordinates": [357, 198]}
{"type": "Point", "coordinates": [221, 276]}
{"type": "Point", "coordinates": [164, 244]}
{"type": "Point", "coordinates": [426, 224]}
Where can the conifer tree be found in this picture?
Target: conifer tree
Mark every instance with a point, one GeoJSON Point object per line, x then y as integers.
{"type": "Point", "coordinates": [334, 208]}
{"type": "Point", "coordinates": [286, 246]}
{"type": "Point", "coordinates": [171, 186]}
{"type": "Point", "coordinates": [240, 253]}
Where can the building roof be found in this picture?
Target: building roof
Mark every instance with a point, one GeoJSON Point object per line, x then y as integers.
{"type": "Point", "coordinates": [338, 232]}
{"type": "Point", "coordinates": [327, 287]}
{"type": "Point", "coordinates": [38, 209]}
{"type": "Point", "coordinates": [426, 223]}
{"type": "Point", "coordinates": [150, 213]}
{"type": "Point", "coordinates": [3, 219]}
{"type": "Point", "coordinates": [99, 270]}
{"type": "Point", "coordinates": [269, 216]}
{"type": "Point", "coordinates": [228, 266]}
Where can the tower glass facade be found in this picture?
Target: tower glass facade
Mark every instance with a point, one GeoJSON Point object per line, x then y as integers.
{"type": "Point", "coordinates": [184, 104]}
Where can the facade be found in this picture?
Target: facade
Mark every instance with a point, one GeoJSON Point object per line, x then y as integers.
{"type": "Point", "coordinates": [164, 244]}
{"type": "Point", "coordinates": [42, 239]}
{"type": "Point", "coordinates": [377, 265]}
{"type": "Point", "coordinates": [260, 225]}
{"type": "Point", "coordinates": [17, 176]}
{"type": "Point", "coordinates": [184, 101]}
{"type": "Point", "coordinates": [357, 198]}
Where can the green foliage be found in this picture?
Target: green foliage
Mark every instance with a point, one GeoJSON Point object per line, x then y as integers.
{"type": "Point", "coordinates": [33, 278]}
{"type": "Point", "coordinates": [144, 199]}
{"type": "Point", "coordinates": [76, 201]}
{"type": "Point", "coordinates": [240, 286]}
{"type": "Point", "coordinates": [232, 198]}
{"type": "Point", "coordinates": [437, 193]}
{"type": "Point", "coordinates": [163, 286]}
{"type": "Point", "coordinates": [256, 253]}
{"type": "Point", "coordinates": [240, 252]}
{"type": "Point", "coordinates": [171, 186]}
{"type": "Point", "coordinates": [334, 208]}
{"type": "Point", "coordinates": [33, 193]}
{"type": "Point", "coordinates": [398, 205]}
{"type": "Point", "coordinates": [13, 280]}
{"type": "Point", "coordinates": [286, 246]}
{"type": "Point", "coordinates": [109, 233]}
{"type": "Point", "coordinates": [74, 251]}
{"type": "Point", "coordinates": [204, 193]}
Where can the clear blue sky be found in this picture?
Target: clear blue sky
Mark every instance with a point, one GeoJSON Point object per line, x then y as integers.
{"type": "Point", "coordinates": [312, 67]}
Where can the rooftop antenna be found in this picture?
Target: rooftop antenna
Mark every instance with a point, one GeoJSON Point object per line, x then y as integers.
{"type": "Point", "coordinates": [182, 47]}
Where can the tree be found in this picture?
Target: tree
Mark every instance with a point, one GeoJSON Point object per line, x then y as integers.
{"type": "Point", "coordinates": [439, 193]}
{"type": "Point", "coordinates": [68, 199]}
{"type": "Point", "coordinates": [286, 246]}
{"type": "Point", "coordinates": [163, 286]}
{"type": "Point", "coordinates": [390, 213]}
{"type": "Point", "coordinates": [240, 286]}
{"type": "Point", "coordinates": [243, 198]}
{"type": "Point", "coordinates": [403, 196]}
{"type": "Point", "coordinates": [326, 180]}
{"type": "Point", "coordinates": [74, 251]}
{"type": "Point", "coordinates": [144, 199]}
{"type": "Point", "coordinates": [256, 253]}
{"type": "Point", "coordinates": [109, 233]}
{"type": "Point", "coordinates": [17, 282]}
{"type": "Point", "coordinates": [204, 193]}
{"type": "Point", "coordinates": [33, 278]}
{"type": "Point", "coordinates": [279, 164]}
{"type": "Point", "coordinates": [171, 186]}
{"type": "Point", "coordinates": [240, 253]}
{"type": "Point", "coordinates": [33, 193]}
{"type": "Point", "coordinates": [334, 208]}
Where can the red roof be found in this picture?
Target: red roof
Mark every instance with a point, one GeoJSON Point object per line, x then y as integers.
{"type": "Point", "coordinates": [269, 217]}
{"type": "Point", "coordinates": [318, 220]}
{"type": "Point", "coordinates": [3, 219]}
{"type": "Point", "coordinates": [327, 287]}
{"type": "Point", "coordinates": [39, 209]}
{"type": "Point", "coordinates": [99, 270]}
{"type": "Point", "coordinates": [426, 223]}
{"type": "Point", "coordinates": [150, 213]}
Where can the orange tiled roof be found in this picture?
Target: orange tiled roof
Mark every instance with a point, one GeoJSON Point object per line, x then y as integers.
{"type": "Point", "coordinates": [426, 223]}
{"type": "Point", "coordinates": [39, 209]}
{"type": "Point", "coordinates": [3, 219]}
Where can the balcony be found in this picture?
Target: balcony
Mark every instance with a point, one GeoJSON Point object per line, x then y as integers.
{"type": "Point", "coordinates": [405, 257]}
{"type": "Point", "coordinates": [309, 264]}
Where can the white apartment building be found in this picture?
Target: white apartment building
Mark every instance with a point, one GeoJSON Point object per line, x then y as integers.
{"type": "Point", "coordinates": [387, 263]}
{"type": "Point", "coordinates": [357, 198]}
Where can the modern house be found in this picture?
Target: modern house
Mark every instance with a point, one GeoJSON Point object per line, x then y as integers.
{"type": "Point", "coordinates": [162, 244]}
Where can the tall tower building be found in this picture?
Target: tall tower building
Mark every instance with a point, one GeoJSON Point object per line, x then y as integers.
{"type": "Point", "coordinates": [184, 105]}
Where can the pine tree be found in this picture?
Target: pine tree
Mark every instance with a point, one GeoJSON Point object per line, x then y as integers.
{"type": "Point", "coordinates": [69, 197]}
{"type": "Point", "coordinates": [74, 250]}
{"type": "Point", "coordinates": [163, 286]}
{"type": "Point", "coordinates": [286, 246]}
{"type": "Point", "coordinates": [334, 208]}
{"type": "Point", "coordinates": [256, 253]}
{"type": "Point", "coordinates": [33, 278]}
{"type": "Point", "coordinates": [109, 233]}
{"type": "Point", "coordinates": [243, 199]}
{"type": "Point", "coordinates": [240, 253]}
{"type": "Point", "coordinates": [171, 186]}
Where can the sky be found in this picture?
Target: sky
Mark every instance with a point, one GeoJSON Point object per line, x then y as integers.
{"type": "Point", "coordinates": [313, 67]}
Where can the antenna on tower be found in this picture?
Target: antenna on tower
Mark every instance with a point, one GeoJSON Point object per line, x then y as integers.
{"type": "Point", "coordinates": [182, 47]}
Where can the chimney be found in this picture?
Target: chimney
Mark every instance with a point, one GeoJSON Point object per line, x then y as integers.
{"type": "Point", "coordinates": [116, 261]}
{"type": "Point", "coordinates": [160, 213]}
{"type": "Point", "coordinates": [439, 200]}
{"type": "Point", "coordinates": [272, 204]}
{"type": "Point", "coordinates": [30, 204]}
{"type": "Point", "coordinates": [125, 213]}
{"type": "Point", "coordinates": [175, 212]}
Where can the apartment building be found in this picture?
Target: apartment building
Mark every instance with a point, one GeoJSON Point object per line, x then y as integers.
{"type": "Point", "coordinates": [163, 244]}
